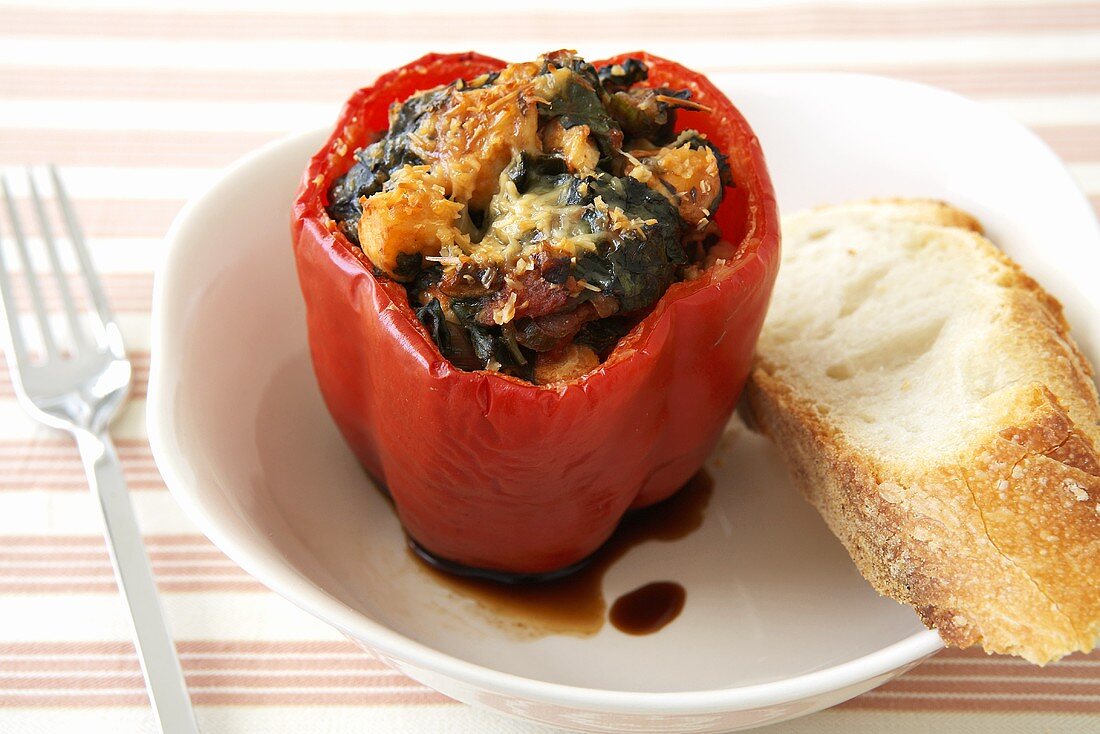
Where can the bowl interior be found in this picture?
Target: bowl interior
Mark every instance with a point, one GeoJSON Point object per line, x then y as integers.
{"type": "Point", "coordinates": [246, 444]}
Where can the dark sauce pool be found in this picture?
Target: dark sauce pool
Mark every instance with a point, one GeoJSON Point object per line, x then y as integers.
{"type": "Point", "coordinates": [648, 608]}
{"type": "Point", "coordinates": [572, 601]}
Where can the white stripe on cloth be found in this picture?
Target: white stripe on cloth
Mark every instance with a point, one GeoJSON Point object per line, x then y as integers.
{"type": "Point", "coordinates": [15, 423]}
{"type": "Point", "coordinates": [150, 181]}
{"type": "Point", "coordinates": [34, 512]}
{"type": "Point", "coordinates": [207, 616]}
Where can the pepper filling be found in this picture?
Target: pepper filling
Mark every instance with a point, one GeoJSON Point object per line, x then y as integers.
{"type": "Point", "coordinates": [535, 214]}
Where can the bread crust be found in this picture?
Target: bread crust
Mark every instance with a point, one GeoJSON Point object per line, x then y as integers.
{"type": "Point", "coordinates": [998, 543]}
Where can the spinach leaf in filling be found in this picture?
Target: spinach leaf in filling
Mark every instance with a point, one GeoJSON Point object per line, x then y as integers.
{"type": "Point", "coordinates": [377, 162]}
{"type": "Point", "coordinates": [636, 266]}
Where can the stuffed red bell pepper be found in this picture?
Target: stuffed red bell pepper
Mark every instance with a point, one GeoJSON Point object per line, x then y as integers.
{"type": "Point", "coordinates": [533, 292]}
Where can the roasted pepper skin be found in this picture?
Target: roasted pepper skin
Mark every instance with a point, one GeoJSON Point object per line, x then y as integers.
{"type": "Point", "coordinates": [491, 472]}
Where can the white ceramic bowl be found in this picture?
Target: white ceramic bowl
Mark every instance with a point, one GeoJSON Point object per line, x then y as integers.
{"type": "Point", "coordinates": [778, 623]}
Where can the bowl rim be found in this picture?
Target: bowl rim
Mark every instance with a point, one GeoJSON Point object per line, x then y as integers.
{"type": "Point", "coordinates": [297, 589]}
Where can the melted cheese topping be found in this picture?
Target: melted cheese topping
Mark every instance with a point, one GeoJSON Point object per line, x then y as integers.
{"type": "Point", "coordinates": [511, 299]}
{"type": "Point", "coordinates": [471, 141]}
{"type": "Point", "coordinates": [411, 215]}
{"type": "Point", "coordinates": [523, 225]}
{"type": "Point", "coordinates": [574, 145]}
{"type": "Point", "coordinates": [688, 177]}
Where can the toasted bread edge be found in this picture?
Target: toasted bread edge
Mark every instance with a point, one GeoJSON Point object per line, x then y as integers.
{"type": "Point", "coordinates": [1015, 571]}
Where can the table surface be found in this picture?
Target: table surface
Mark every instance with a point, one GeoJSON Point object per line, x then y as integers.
{"type": "Point", "coordinates": [143, 105]}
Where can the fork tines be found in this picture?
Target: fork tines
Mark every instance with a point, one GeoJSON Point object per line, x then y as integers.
{"type": "Point", "coordinates": [49, 338]}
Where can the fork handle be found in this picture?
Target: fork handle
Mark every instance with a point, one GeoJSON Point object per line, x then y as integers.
{"type": "Point", "coordinates": [155, 650]}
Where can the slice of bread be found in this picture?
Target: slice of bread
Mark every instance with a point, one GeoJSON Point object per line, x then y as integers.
{"type": "Point", "coordinates": [931, 404]}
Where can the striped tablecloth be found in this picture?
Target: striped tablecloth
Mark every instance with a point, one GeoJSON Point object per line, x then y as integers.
{"type": "Point", "coordinates": [144, 104]}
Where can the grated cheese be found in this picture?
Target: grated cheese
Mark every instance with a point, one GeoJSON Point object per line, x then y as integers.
{"type": "Point", "coordinates": [523, 225]}
{"type": "Point", "coordinates": [507, 312]}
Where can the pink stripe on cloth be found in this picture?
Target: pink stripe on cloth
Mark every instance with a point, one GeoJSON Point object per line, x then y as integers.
{"type": "Point", "coordinates": [54, 557]}
{"type": "Point", "coordinates": [154, 541]}
{"type": "Point", "coordinates": [1002, 684]}
{"type": "Point", "coordinates": [33, 464]}
{"type": "Point", "coordinates": [421, 696]}
{"type": "Point", "coordinates": [1083, 669]}
{"type": "Point", "coordinates": [127, 292]}
{"type": "Point", "coordinates": [46, 573]}
{"type": "Point", "coordinates": [1010, 78]}
{"type": "Point", "coordinates": [166, 585]}
{"type": "Point", "coordinates": [971, 704]}
{"type": "Point", "coordinates": [119, 217]}
{"type": "Point", "coordinates": [60, 565]}
{"type": "Point", "coordinates": [186, 647]}
{"type": "Point", "coordinates": [139, 384]}
{"type": "Point", "coordinates": [231, 672]}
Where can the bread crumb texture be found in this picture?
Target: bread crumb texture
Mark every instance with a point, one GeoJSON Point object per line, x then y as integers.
{"type": "Point", "coordinates": [930, 402]}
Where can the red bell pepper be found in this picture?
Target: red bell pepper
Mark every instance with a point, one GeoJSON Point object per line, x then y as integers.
{"type": "Point", "coordinates": [491, 472]}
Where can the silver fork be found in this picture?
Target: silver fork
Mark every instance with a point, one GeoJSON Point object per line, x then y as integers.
{"type": "Point", "coordinates": [78, 390]}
